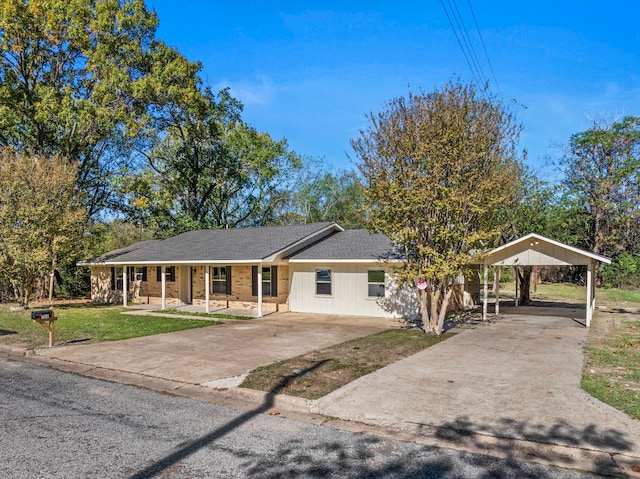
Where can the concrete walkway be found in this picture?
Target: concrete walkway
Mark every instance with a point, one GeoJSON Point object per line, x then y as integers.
{"type": "Point", "coordinates": [517, 377]}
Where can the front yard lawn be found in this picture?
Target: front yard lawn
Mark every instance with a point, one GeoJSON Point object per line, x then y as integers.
{"type": "Point", "coordinates": [87, 323]}
{"type": "Point", "coordinates": [319, 372]}
{"type": "Point", "coordinates": [612, 359]}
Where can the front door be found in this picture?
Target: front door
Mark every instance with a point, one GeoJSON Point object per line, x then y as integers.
{"type": "Point", "coordinates": [185, 279]}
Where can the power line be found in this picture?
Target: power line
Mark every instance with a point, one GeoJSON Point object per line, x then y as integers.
{"type": "Point", "coordinates": [465, 35]}
{"type": "Point", "coordinates": [493, 74]}
{"type": "Point", "coordinates": [466, 44]}
{"type": "Point", "coordinates": [464, 52]}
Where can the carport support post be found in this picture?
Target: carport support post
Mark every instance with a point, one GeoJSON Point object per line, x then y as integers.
{"type": "Point", "coordinates": [515, 270]}
{"type": "Point", "coordinates": [163, 278]}
{"type": "Point", "coordinates": [124, 286]}
{"type": "Point", "coordinates": [259, 279]}
{"type": "Point", "coordinates": [207, 308]}
{"type": "Point", "coordinates": [485, 299]}
{"type": "Point", "coordinates": [496, 287]}
{"type": "Point", "coordinates": [590, 293]}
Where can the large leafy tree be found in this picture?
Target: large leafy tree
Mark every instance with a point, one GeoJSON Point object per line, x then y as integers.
{"type": "Point", "coordinates": [602, 186]}
{"type": "Point", "coordinates": [84, 80]}
{"type": "Point", "coordinates": [41, 218]}
{"type": "Point", "coordinates": [436, 167]}
{"type": "Point", "coordinates": [532, 209]}
{"type": "Point", "coordinates": [209, 169]}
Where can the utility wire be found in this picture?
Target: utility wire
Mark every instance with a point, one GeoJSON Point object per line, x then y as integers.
{"type": "Point", "coordinates": [493, 74]}
{"type": "Point", "coordinates": [468, 42]}
{"type": "Point", "coordinates": [464, 52]}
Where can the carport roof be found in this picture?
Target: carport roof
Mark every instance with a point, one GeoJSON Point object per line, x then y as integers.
{"type": "Point", "coordinates": [537, 250]}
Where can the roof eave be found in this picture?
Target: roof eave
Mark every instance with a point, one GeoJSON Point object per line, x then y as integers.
{"type": "Point", "coordinates": [344, 260]}
{"type": "Point", "coordinates": [537, 236]}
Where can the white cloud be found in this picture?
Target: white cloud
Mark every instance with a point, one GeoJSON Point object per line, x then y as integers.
{"type": "Point", "coordinates": [259, 91]}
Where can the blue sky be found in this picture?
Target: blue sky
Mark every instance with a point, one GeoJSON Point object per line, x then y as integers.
{"type": "Point", "coordinates": [311, 71]}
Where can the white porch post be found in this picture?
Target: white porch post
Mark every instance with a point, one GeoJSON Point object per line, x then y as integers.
{"type": "Point", "coordinates": [590, 293]}
{"type": "Point", "coordinates": [207, 308]}
{"type": "Point", "coordinates": [496, 287]}
{"type": "Point", "coordinates": [515, 270]}
{"type": "Point", "coordinates": [259, 290]}
{"type": "Point", "coordinates": [124, 286]}
{"type": "Point", "coordinates": [485, 299]}
{"type": "Point", "coordinates": [163, 277]}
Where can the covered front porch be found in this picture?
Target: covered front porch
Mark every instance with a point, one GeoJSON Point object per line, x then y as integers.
{"type": "Point", "coordinates": [254, 290]}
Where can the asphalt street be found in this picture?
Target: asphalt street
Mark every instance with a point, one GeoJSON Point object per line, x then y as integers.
{"type": "Point", "coordinates": [59, 425]}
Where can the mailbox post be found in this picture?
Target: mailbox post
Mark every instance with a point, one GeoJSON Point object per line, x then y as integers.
{"type": "Point", "coordinates": [46, 318]}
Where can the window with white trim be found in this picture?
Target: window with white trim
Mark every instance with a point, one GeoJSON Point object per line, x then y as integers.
{"type": "Point", "coordinates": [116, 279]}
{"type": "Point", "coordinates": [323, 282]}
{"type": "Point", "coordinates": [141, 273]}
{"type": "Point", "coordinates": [375, 283]}
{"type": "Point", "coordinates": [219, 279]}
{"type": "Point", "coordinates": [169, 275]}
{"type": "Point", "coordinates": [266, 281]}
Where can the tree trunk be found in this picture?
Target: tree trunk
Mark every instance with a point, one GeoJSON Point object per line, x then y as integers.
{"type": "Point", "coordinates": [524, 278]}
{"type": "Point", "coordinates": [443, 311]}
{"type": "Point", "coordinates": [424, 308]}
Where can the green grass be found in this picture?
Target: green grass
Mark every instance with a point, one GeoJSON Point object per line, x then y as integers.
{"type": "Point", "coordinates": [624, 399]}
{"type": "Point", "coordinates": [573, 294]}
{"type": "Point", "coordinates": [88, 324]}
{"type": "Point", "coordinates": [612, 361]}
{"type": "Point", "coordinates": [613, 295]}
{"type": "Point", "coordinates": [205, 315]}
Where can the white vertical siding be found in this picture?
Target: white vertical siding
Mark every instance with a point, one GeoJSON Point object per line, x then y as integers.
{"type": "Point", "coordinates": [349, 288]}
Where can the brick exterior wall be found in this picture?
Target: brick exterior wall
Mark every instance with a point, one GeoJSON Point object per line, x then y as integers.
{"type": "Point", "coordinates": [101, 291]}
{"type": "Point", "coordinates": [150, 291]}
{"type": "Point", "coordinates": [240, 296]}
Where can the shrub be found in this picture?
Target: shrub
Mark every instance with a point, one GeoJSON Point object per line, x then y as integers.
{"type": "Point", "coordinates": [623, 272]}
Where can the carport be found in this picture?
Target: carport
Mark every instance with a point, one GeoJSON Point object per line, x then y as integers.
{"type": "Point", "coordinates": [537, 250]}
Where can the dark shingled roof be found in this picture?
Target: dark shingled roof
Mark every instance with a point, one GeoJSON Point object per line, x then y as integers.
{"type": "Point", "coordinates": [349, 245]}
{"type": "Point", "coordinates": [235, 244]}
{"type": "Point", "coordinates": [111, 255]}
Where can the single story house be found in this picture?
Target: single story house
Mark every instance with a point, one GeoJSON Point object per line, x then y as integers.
{"type": "Point", "coordinates": [312, 268]}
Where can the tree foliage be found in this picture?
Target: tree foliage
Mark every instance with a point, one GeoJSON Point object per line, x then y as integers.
{"type": "Point", "coordinates": [86, 81]}
{"type": "Point", "coordinates": [602, 186]}
{"type": "Point", "coordinates": [436, 167]}
{"type": "Point", "coordinates": [319, 194]}
{"type": "Point", "coordinates": [209, 169]}
{"type": "Point", "coordinates": [532, 209]}
{"type": "Point", "coordinates": [41, 218]}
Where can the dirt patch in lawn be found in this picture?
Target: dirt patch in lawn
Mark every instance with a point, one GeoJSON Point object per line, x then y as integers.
{"type": "Point", "coordinates": [319, 372]}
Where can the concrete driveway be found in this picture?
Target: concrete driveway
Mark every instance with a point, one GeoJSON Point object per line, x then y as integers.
{"type": "Point", "coordinates": [517, 377]}
{"type": "Point", "coordinates": [213, 354]}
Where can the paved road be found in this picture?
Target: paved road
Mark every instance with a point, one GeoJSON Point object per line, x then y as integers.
{"type": "Point", "coordinates": [59, 425]}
